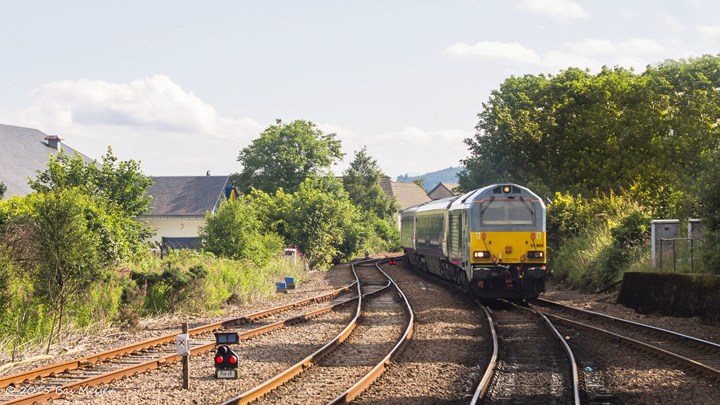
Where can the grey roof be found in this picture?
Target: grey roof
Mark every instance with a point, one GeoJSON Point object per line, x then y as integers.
{"type": "Point", "coordinates": [443, 190]}
{"type": "Point", "coordinates": [409, 194]}
{"type": "Point", "coordinates": [24, 151]}
{"type": "Point", "coordinates": [186, 195]}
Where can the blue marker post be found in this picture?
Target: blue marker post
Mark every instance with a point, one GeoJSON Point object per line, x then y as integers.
{"type": "Point", "coordinates": [290, 283]}
{"type": "Point", "coordinates": [280, 287]}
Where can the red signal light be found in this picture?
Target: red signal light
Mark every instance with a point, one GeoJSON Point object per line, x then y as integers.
{"type": "Point", "coordinates": [232, 359]}
{"type": "Point", "coordinates": [392, 262]}
{"type": "Point", "coordinates": [218, 359]}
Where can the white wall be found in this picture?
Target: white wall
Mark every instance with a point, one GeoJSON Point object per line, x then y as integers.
{"type": "Point", "coordinates": [174, 227]}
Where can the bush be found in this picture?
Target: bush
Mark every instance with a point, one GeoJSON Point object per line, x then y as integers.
{"type": "Point", "coordinates": [234, 231]}
{"type": "Point", "coordinates": [610, 241]}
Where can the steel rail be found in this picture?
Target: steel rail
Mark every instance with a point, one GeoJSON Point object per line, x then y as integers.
{"type": "Point", "coordinates": [487, 376]}
{"type": "Point", "coordinates": [288, 374]}
{"type": "Point", "coordinates": [571, 357]}
{"type": "Point", "coordinates": [712, 372]}
{"type": "Point", "coordinates": [686, 338]}
{"type": "Point", "coordinates": [165, 360]}
{"type": "Point", "coordinates": [568, 353]}
{"type": "Point", "coordinates": [114, 353]}
{"type": "Point", "coordinates": [355, 391]}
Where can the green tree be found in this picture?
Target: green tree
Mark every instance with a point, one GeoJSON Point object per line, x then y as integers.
{"type": "Point", "coordinates": [615, 131]}
{"type": "Point", "coordinates": [234, 231]}
{"type": "Point", "coordinates": [120, 183]}
{"type": "Point", "coordinates": [321, 220]}
{"type": "Point", "coordinates": [69, 258]}
{"type": "Point", "coordinates": [377, 231]}
{"type": "Point", "coordinates": [285, 155]}
{"type": "Point", "coordinates": [120, 187]}
{"type": "Point", "coordinates": [362, 182]}
{"type": "Point", "coordinates": [3, 188]}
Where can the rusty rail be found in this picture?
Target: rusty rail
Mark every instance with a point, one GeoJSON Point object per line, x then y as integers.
{"type": "Point", "coordinates": [165, 360]}
{"type": "Point", "coordinates": [487, 376]}
{"type": "Point", "coordinates": [114, 353]}
{"type": "Point", "coordinates": [355, 391]}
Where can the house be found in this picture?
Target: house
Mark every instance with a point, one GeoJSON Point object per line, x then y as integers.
{"type": "Point", "coordinates": [406, 194]}
{"type": "Point", "coordinates": [443, 190]}
{"type": "Point", "coordinates": [24, 151]}
{"type": "Point", "coordinates": [179, 205]}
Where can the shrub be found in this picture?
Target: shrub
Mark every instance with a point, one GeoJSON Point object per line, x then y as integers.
{"type": "Point", "coordinates": [613, 236]}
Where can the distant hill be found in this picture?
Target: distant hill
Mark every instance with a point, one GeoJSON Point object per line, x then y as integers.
{"type": "Point", "coordinates": [430, 180]}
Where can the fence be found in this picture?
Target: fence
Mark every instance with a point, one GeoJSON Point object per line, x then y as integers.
{"type": "Point", "coordinates": [678, 254]}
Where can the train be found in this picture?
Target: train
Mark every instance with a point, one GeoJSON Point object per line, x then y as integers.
{"type": "Point", "coordinates": [491, 241]}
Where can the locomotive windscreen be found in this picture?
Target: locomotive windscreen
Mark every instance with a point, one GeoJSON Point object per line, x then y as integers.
{"type": "Point", "coordinates": [507, 212]}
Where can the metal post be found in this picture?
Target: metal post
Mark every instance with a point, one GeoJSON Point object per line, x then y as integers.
{"type": "Point", "coordinates": [661, 255]}
{"type": "Point", "coordinates": [186, 363]}
{"type": "Point", "coordinates": [674, 260]}
{"type": "Point", "coordinates": [692, 257]}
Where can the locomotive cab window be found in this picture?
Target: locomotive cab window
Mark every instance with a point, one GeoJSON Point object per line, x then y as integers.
{"type": "Point", "coordinates": [507, 212]}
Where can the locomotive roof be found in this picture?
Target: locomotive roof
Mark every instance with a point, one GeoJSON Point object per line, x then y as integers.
{"type": "Point", "coordinates": [467, 199]}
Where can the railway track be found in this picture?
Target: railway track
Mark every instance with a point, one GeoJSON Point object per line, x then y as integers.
{"type": "Point", "coordinates": [81, 375]}
{"type": "Point", "coordinates": [531, 363]}
{"type": "Point", "coordinates": [698, 354]}
{"type": "Point", "coordinates": [339, 371]}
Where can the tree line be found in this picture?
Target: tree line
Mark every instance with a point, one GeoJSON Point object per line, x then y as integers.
{"type": "Point", "coordinates": [651, 137]}
{"type": "Point", "coordinates": [291, 197]}
{"type": "Point", "coordinates": [68, 247]}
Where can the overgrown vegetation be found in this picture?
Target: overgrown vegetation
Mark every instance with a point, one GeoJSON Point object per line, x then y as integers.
{"type": "Point", "coordinates": [291, 193]}
{"type": "Point", "coordinates": [610, 151]}
{"type": "Point", "coordinates": [72, 254]}
{"type": "Point", "coordinates": [593, 241]}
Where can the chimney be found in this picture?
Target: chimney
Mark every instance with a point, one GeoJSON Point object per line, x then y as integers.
{"type": "Point", "coordinates": [54, 141]}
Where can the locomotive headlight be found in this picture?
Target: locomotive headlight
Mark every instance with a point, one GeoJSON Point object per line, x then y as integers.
{"type": "Point", "coordinates": [481, 254]}
{"type": "Point", "coordinates": [535, 254]}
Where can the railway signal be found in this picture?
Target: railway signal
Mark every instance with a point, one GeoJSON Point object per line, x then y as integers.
{"type": "Point", "coordinates": [225, 360]}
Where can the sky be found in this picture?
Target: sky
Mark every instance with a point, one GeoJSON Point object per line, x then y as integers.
{"type": "Point", "coordinates": [183, 86]}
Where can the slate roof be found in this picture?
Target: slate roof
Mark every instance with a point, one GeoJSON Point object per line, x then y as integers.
{"type": "Point", "coordinates": [23, 151]}
{"type": "Point", "coordinates": [408, 194]}
{"type": "Point", "coordinates": [443, 190]}
{"type": "Point", "coordinates": [186, 195]}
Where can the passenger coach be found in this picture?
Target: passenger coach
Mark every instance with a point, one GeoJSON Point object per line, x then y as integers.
{"type": "Point", "coordinates": [490, 241]}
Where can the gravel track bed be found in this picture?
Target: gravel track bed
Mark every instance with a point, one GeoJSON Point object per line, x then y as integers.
{"type": "Point", "coordinates": [260, 358]}
{"type": "Point", "coordinates": [617, 374]}
{"type": "Point", "coordinates": [444, 360]}
{"type": "Point", "coordinates": [380, 326]}
{"type": "Point", "coordinates": [709, 356]}
{"type": "Point", "coordinates": [313, 284]}
{"type": "Point", "coordinates": [605, 303]}
{"type": "Point", "coordinates": [532, 367]}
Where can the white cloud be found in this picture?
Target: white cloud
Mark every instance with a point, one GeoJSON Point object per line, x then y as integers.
{"type": "Point", "coordinates": [408, 150]}
{"type": "Point", "coordinates": [603, 47]}
{"type": "Point", "coordinates": [710, 31]}
{"type": "Point", "coordinates": [590, 53]}
{"type": "Point", "coordinates": [669, 22]}
{"type": "Point", "coordinates": [155, 102]}
{"type": "Point", "coordinates": [511, 51]}
{"type": "Point", "coordinates": [154, 120]}
{"type": "Point", "coordinates": [560, 9]}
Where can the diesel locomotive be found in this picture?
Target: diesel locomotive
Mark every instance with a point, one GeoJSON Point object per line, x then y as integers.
{"type": "Point", "coordinates": [490, 241]}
